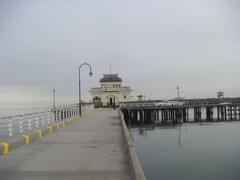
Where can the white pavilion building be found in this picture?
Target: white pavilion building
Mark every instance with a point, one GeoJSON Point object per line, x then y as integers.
{"type": "Point", "coordinates": [111, 92]}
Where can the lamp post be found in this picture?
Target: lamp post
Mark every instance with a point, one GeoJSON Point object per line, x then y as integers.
{"type": "Point", "coordinates": [54, 103]}
{"type": "Point", "coordinates": [90, 74]}
{"type": "Point", "coordinates": [178, 94]}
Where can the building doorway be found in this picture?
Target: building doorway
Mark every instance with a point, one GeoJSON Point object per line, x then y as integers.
{"type": "Point", "coordinates": [111, 101]}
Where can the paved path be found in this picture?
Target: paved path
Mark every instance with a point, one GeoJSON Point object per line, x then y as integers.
{"type": "Point", "coordinates": [92, 148]}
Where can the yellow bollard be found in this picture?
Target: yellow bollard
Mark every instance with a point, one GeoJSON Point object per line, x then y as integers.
{"type": "Point", "coordinates": [39, 133]}
{"type": "Point", "coordinates": [66, 122]}
{"type": "Point", "coordinates": [50, 129]}
{"type": "Point", "coordinates": [58, 125]}
{"type": "Point", "coordinates": [27, 138]}
{"type": "Point", "coordinates": [5, 148]}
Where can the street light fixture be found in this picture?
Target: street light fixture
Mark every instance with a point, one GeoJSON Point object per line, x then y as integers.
{"type": "Point", "coordinates": [90, 74]}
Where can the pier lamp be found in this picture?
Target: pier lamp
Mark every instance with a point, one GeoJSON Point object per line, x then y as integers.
{"type": "Point", "coordinates": [90, 74]}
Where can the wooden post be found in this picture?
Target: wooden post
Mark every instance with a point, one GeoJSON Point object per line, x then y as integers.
{"type": "Point", "coordinates": [162, 116]}
{"type": "Point", "coordinates": [231, 114]}
{"type": "Point", "coordinates": [225, 113]}
{"type": "Point", "coordinates": [184, 115]}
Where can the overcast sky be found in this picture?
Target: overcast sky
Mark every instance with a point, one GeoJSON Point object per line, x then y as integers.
{"type": "Point", "coordinates": [154, 45]}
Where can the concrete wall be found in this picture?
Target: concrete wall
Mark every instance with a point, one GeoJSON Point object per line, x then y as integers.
{"type": "Point", "coordinates": [136, 168]}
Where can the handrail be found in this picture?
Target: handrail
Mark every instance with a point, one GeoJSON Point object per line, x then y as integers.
{"type": "Point", "coordinates": [12, 125]}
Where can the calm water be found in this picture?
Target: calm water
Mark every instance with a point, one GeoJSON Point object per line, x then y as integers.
{"type": "Point", "coordinates": [207, 151]}
{"type": "Point", "coordinates": [8, 111]}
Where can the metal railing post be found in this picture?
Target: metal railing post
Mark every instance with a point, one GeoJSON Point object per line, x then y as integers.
{"type": "Point", "coordinates": [21, 126]}
{"type": "Point", "coordinates": [48, 118]}
{"type": "Point", "coordinates": [36, 121]}
{"type": "Point", "coordinates": [30, 123]}
{"type": "Point", "coordinates": [43, 120]}
{"type": "Point", "coordinates": [10, 128]}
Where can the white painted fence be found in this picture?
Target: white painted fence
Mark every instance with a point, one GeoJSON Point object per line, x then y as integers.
{"type": "Point", "coordinates": [12, 125]}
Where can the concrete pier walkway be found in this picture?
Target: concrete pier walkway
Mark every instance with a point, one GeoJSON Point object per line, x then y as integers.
{"type": "Point", "coordinates": [91, 148]}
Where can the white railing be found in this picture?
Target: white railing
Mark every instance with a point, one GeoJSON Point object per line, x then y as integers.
{"type": "Point", "coordinates": [11, 125]}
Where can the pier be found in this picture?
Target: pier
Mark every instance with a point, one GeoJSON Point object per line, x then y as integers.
{"type": "Point", "coordinates": [94, 147]}
{"type": "Point", "coordinates": [148, 113]}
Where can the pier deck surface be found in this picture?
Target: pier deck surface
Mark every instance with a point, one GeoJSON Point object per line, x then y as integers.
{"type": "Point", "coordinates": [91, 148]}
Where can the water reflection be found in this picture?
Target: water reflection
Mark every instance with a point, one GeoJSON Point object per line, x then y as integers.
{"type": "Point", "coordinates": [206, 151]}
{"type": "Point", "coordinates": [143, 130]}
{"type": "Point", "coordinates": [179, 136]}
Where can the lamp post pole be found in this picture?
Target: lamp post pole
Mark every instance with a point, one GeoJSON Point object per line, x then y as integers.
{"type": "Point", "coordinates": [90, 73]}
{"type": "Point", "coordinates": [178, 94]}
{"type": "Point", "coordinates": [54, 103]}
